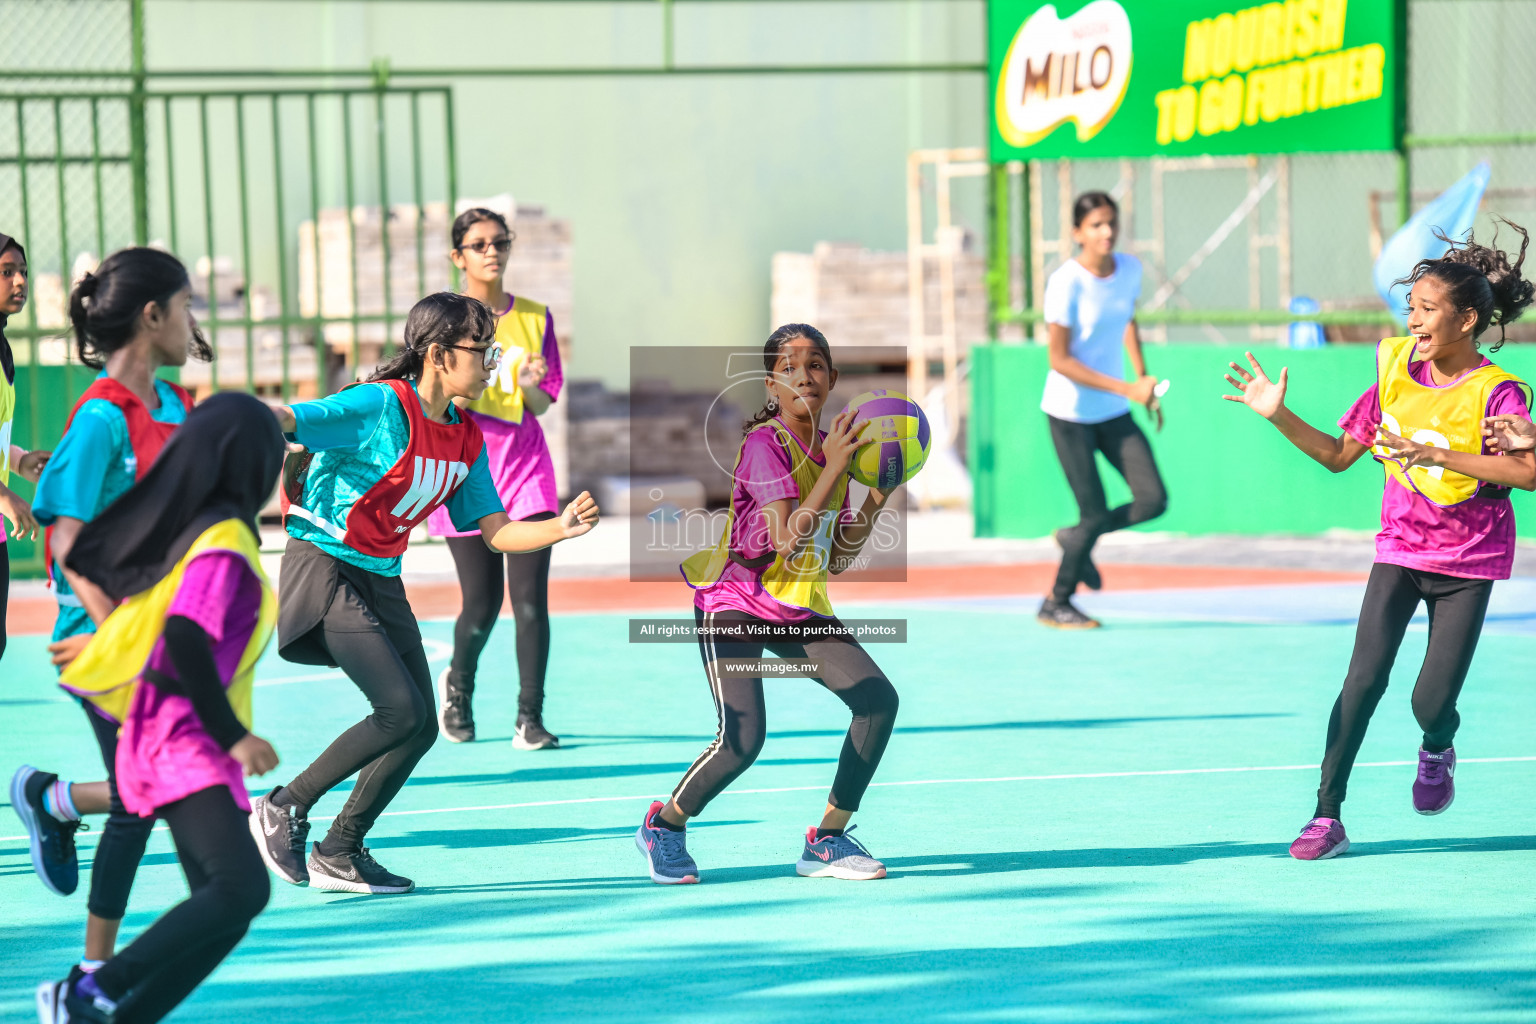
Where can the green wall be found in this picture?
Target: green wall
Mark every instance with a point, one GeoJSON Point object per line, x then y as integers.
{"type": "Point", "coordinates": [1227, 470]}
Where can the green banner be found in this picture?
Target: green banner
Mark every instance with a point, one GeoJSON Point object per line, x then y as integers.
{"type": "Point", "coordinates": [1090, 79]}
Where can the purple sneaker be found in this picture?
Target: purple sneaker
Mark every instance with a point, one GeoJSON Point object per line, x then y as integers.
{"type": "Point", "coordinates": [1321, 839]}
{"type": "Point", "coordinates": [1435, 787]}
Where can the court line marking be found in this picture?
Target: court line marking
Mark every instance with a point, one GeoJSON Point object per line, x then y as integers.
{"type": "Point", "coordinates": [1060, 776]}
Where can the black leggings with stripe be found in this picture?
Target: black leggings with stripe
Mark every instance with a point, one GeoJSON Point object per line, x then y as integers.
{"type": "Point", "coordinates": [846, 669]}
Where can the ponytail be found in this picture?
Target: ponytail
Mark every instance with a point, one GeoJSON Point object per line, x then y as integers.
{"type": "Point", "coordinates": [105, 307]}
{"type": "Point", "coordinates": [442, 318]}
{"type": "Point", "coordinates": [1481, 278]}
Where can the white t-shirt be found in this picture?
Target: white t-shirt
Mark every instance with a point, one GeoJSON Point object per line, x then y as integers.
{"type": "Point", "coordinates": [1096, 310]}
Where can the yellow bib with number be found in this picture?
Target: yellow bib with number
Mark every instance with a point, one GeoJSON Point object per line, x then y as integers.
{"type": "Point", "coordinates": [107, 672]}
{"type": "Point", "coordinates": [7, 417]}
{"type": "Point", "coordinates": [520, 333]}
{"type": "Point", "coordinates": [1441, 417]}
{"type": "Point", "coordinates": [799, 581]}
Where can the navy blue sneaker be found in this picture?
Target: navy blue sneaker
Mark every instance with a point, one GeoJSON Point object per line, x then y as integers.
{"type": "Point", "coordinates": [52, 841]}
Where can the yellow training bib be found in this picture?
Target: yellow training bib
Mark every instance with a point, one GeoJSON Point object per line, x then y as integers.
{"type": "Point", "coordinates": [1442, 417]}
{"type": "Point", "coordinates": [520, 333]}
{"type": "Point", "coordinates": [107, 672]}
{"type": "Point", "coordinates": [798, 582]}
{"type": "Point", "coordinates": [7, 417]}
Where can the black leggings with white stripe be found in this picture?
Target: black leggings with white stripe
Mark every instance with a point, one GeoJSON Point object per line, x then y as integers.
{"type": "Point", "coordinates": [846, 669]}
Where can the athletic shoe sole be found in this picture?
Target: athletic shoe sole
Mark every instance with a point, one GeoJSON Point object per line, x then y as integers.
{"type": "Point", "coordinates": [442, 701]}
{"type": "Point", "coordinates": [258, 834]}
{"type": "Point", "coordinates": [1438, 810]}
{"type": "Point", "coordinates": [816, 869]}
{"type": "Point", "coordinates": [50, 1008]}
{"type": "Point", "coordinates": [659, 879]}
{"type": "Point", "coordinates": [1092, 624]}
{"type": "Point", "coordinates": [518, 743]}
{"type": "Point", "coordinates": [1343, 847]}
{"type": "Point", "coordinates": [29, 821]}
{"type": "Point", "coordinates": [318, 880]}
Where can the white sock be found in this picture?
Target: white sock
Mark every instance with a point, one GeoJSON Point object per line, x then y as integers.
{"type": "Point", "coordinates": [91, 966]}
{"type": "Point", "coordinates": [57, 802]}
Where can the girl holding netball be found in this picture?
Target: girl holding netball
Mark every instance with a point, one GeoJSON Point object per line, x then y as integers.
{"type": "Point", "coordinates": [1090, 310]}
{"type": "Point", "coordinates": [172, 667]}
{"type": "Point", "coordinates": [789, 525]}
{"type": "Point", "coordinates": [1447, 529]}
{"type": "Point", "coordinates": [507, 413]}
{"type": "Point", "coordinates": [386, 453]}
{"type": "Point", "coordinates": [130, 318]}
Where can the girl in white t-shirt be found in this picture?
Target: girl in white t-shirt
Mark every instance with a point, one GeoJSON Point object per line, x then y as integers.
{"type": "Point", "coordinates": [1090, 309]}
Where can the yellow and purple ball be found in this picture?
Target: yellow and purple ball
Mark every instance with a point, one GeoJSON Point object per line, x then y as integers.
{"type": "Point", "coordinates": [900, 434]}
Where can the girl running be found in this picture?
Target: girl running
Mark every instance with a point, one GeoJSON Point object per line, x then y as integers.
{"type": "Point", "coordinates": [386, 453]}
{"type": "Point", "coordinates": [1090, 307]}
{"type": "Point", "coordinates": [1447, 529]}
{"type": "Point", "coordinates": [27, 465]}
{"type": "Point", "coordinates": [130, 318]}
{"type": "Point", "coordinates": [524, 475]}
{"type": "Point", "coordinates": [173, 667]}
{"type": "Point", "coordinates": [790, 523]}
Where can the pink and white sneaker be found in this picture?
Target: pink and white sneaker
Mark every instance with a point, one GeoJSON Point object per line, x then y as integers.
{"type": "Point", "coordinates": [1435, 787]}
{"type": "Point", "coordinates": [1321, 839]}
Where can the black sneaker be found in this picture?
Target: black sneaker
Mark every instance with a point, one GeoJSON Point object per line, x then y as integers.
{"type": "Point", "coordinates": [280, 834]}
{"type": "Point", "coordinates": [354, 871]}
{"type": "Point", "coordinates": [1091, 578]}
{"type": "Point", "coordinates": [52, 840]}
{"type": "Point", "coordinates": [59, 1003]}
{"type": "Point", "coordinates": [1064, 615]}
{"type": "Point", "coordinates": [455, 719]}
{"type": "Point", "coordinates": [530, 734]}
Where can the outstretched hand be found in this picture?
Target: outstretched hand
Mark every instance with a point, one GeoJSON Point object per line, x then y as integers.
{"type": "Point", "coordinates": [1407, 453]}
{"type": "Point", "coordinates": [579, 516]}
{"type": "Point", "coordinates": [1264, 396]}
{"type": "Point", "coordinates": [1509, 433]}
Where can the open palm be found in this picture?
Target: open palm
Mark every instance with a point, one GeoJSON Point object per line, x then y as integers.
{"type": "Point", "coordinates": [1264, 396]}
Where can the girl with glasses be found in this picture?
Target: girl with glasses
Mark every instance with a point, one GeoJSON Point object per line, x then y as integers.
{"type": "Point", "coordinates": [386, 454]}
{"type": "Point", "coordinates": [524, 476]}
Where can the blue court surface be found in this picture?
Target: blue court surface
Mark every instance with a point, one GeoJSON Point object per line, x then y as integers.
{"type": "Point", "coordinates": [1079, 827]}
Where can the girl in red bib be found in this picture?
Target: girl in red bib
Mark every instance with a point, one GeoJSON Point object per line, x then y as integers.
{"type": "Point", "coordinates": [1447, 531]}
{"type": "Point", "coordinates": [386, 453]}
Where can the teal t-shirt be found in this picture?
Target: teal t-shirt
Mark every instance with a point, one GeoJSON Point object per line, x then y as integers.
{"type": "Point", "coordinates": [357, 436]}
{"type": "Point", "coordinates": [92, 466]}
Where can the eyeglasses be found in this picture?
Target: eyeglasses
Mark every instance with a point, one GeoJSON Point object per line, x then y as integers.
{"type": "Point", "coordinates": [501, 245]}
{"type": "Point", "coordinates": [490, 357]}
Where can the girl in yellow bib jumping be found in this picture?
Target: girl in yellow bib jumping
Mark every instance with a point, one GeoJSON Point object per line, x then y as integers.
{"type": "Point", "coordinates": [1447, 529]}
{"type": "Point", "coordinates": [764, 586]}
{"type": "Point", "coordinates": [171, 667]}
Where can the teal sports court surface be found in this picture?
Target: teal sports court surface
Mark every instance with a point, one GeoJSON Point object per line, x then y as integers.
{"type": "Point", "coordinates": [1078, 827]}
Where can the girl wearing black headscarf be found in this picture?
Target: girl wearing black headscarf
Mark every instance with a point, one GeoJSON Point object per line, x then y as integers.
{"type": "Point", "coordinates": [173, 664]}
{"type": "Point", "coordinates": [23, 526]}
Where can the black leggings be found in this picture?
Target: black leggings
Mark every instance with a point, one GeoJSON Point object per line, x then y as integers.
{"type": "Point", "coordinates": [527, 582]}
{"type": "Point", "coordinates": [1456, 609]}
{"type": "Point", "coordinates": [5, 585]}
{"type": "Point", "coordinates": [1126, 448]}
{"type": "Point", "coordinates": [122, 837]}
{"type": "Point", "coordinates": [229, 887]}
{"type": "Point", "coordinates": [379, 648]}
{"type": "Point", "coordinates": [847, 670]}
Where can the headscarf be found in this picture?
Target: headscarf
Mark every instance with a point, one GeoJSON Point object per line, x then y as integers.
{"type": "Point", "coordinates": [222, 463]}
{"type": "Point", "coordinates": [7, 359]}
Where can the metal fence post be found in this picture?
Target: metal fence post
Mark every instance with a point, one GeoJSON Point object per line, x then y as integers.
{"type": "Point", "coordinates": [138, 142]}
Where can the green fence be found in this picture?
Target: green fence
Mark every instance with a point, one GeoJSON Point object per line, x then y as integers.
{"type": "Point", "coordinates": [1227, 470]}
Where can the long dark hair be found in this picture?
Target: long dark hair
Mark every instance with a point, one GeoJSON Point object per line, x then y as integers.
{"type": "Point", "coordinates": [7, 358]}
{"type": "Point", "coordinates": [776, 341]}
{"type": "Point", "coordinates": [442, 318]}
{"type": "Point", "coordinates": [105, 306]}
{"type": "Point", "coordinates": [1481, 278]}
{"type": "Point", "coordinates": [1090, 201]}
{"type": "Point", "coordinates": [469, 218]}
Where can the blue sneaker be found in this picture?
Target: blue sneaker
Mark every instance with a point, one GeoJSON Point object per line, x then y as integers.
{"type": "Point", "coordinates": [837, 857]}
{"type": "Point", "coordinates": [666, 851]}
{"type": "Point", "coordinates": [52, 840]}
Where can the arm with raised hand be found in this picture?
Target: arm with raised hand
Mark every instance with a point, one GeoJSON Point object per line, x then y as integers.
{"type": "Point", "coordinates": [1267, 398]}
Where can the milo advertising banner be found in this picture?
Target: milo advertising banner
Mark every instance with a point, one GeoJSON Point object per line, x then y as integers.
{"type": "Point", "coordinates": [1137, 78]}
